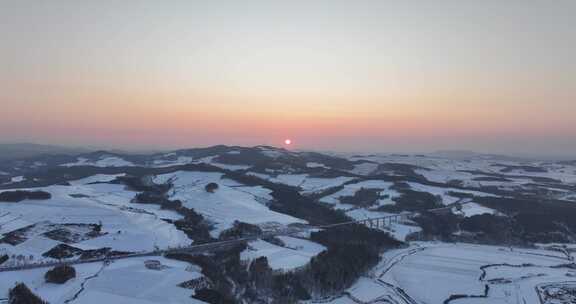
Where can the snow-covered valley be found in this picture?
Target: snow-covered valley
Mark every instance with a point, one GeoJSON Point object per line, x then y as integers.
{"type": "Point", "coordinates": [430, 229]}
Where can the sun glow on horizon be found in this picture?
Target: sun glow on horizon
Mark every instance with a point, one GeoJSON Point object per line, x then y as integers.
{"type": "Point", "coordinates": [376, 76]}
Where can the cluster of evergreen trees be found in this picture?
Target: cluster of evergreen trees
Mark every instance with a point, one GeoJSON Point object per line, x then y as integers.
{"type": "Point", "coordinates": [193, 224]}
{"type": "Point", "coordinates": [365, 197]}
{"type": "Point", "coordinates": [240, 230]}
{"type": "Point", "coordinates": [519, 221]}
{"type": "Point", "coordinates": [411, 200]}
{"type": "Point", "coordinates": [352, 250]}
{"type": "Point", "coordinates": [4, 258]}
{"type": "Point", "coordinates": [536, 220]}
{"type": "Point", "coordinates": [20, 195]}
{"type": "Point", "coordinates": [21, 294]}
{"type": "Point", "coordinates": [60, 274]}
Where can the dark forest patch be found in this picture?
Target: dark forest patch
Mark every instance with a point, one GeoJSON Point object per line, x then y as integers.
{"type": "Point", "coordinates": [63, 251]}
{"type": "Point", "coordinates": [17, 236]}
{"type": "Point", "coordinates": [73, 233]}
{"type": "Point", "coordinates": [20, 195]}
{"type": "Point", "coordinates": [364, 197]}
{"type": "Point", "coordinates": [412, 200]}
{"type": "Point", "coordinates": [60, 274]}
{"type": "Point", "coordinates": [21, 294]}
{"type": "Point", "coordinates": [515, 168]}
{"type": "Point", "coordinates": [539, 220]}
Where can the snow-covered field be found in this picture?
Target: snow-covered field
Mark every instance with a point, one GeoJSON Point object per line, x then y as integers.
{"type": "Point", "coordinates": [123, 281]}
{"type": "Point", "coordinates": [444, 192]}
{"type": "Point", "coordinates": [399, 230]}
{"type": "Point", "coordinates": [475, 171]}
{"type": "Point", "coordinates": [296, 252]}
{"type": "Point", "coordinates": [429, 273]}
{"type": "Point", "coordinates": [232, 201]}
{"type": "Point", "coordinates": [351, 189]}
{"type": "Point", "coordinates": [181, 160]}
{"type": "Point", "coordinates": [422, 273]}
{"type": "Point", "coordinates": [130, 227]}
{"type": "Point", "coordinates": [471, 209]}
{"type": "Point", "coordinates": [435, 273]}
{"type": "Point", "coordinates": [126, 227]}
{"type": "Point", "coordinates": [18, 179]}
{"type": "Point", "coordinates": [304, 181]}
{"type": "Point", "coordinates": [108, 161]}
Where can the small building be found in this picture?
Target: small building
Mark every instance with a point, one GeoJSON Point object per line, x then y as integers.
{"type": "Point", "coordinates": [153, 264]}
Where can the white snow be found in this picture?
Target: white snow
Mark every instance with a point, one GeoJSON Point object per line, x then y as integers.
{"type": "Point", "coordinates": [445, 175]}
{"type": "Point", "coordinates": [447, 199]}
{"type": "Point", "coordinates": [210, 160]}
{"type": "Point", "coordinates": [230, 167]}
{"type": "Point", "coordinates": [123, 281]}
{"type": "Point", "coordinates": [471, 209]}
{"type": "Point", "coordinates": [365, 168]}
{"type": "Point", "coordinates": [351, 189]}
{"type": "Point", "coordinates": [297, 252]}
{"type": "Point", "coordinates": [304, 181]}
{"type": "Point", "coordinates": [230, 202]}
{"type": "Point", "coordinates": [181, 160]}
{"type": "Point", "coordinates": [110, 161]}
{"type": "Point", "coordinates": [270, 152]}
{"type": "Point", "coordinates": [435, 273]}
{"type": "Point", "coordinates": [17, 179]}
{"type": "Point", "coordinates": [129, 227]}
{"type": "Point", "coordinates": [366, 290]}
{"type": "Point", "coordinates": [429, 275]}
{"type": "Point", "coordinates": [98, 178]}
{"type": "Point", "coordinates": [315, 165]}
{"type": "Point", "coordinates": [398, 230]}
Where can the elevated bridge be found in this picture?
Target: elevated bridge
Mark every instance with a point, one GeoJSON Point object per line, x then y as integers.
{"type": "Point", "coordinates": [375, 223]}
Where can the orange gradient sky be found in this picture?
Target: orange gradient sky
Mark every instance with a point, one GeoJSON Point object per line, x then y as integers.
{"type": "Point", "coordinates": [491, 76]}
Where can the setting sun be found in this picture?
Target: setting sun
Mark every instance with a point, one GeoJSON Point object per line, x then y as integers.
{"type": "Point", "coordinates": [287, 151]}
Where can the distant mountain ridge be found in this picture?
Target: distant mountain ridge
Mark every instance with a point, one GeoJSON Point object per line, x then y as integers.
{"type": "Point", "coordinates": [27, 150]}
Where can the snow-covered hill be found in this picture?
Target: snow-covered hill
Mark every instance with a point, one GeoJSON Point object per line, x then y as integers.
{"type": "Point", "coordinates": [109, 204]}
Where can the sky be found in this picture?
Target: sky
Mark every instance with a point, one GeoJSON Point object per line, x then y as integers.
{"type": "Point", "coordinates": [380, 76]}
